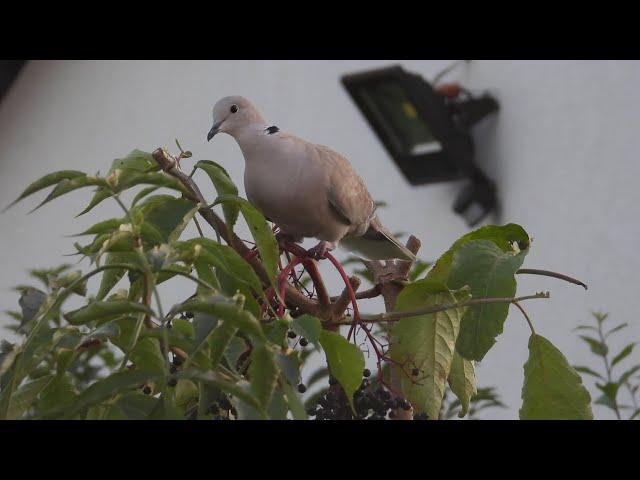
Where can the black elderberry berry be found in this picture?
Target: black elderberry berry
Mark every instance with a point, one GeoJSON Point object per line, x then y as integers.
{"type": "Point", "coordinates": [188, 314]}
{"type": "Point", "coordinates": [392, 415]}
{"type": "Point", "coordinates": [415, 372]}
{"type": "Point", "coordinates": [291, 334]}
{"type": "Point", "coordinates": [302, 388]}
{"type": "Point", "coordinates": [366, 373]}
{"type": "Point", "coordinates": [332, 381]}
{"type": "Point", "coordinates": [421, 416]}
{"type": "Point", "coordinates": [214, 409]}
{"type": "Point", "coordinates": [173, 369]}
{"type": "Point", "coordinates": [172, 383]}
{"type": "Point", "coordinates": [303, 342]}
{"type": "Point", "coordinates": [146, 390]}
{"type": "Point", "coordinates": [177, 361]}
{"type": "Point", "coordinates": [405, 405]}
{"type": "Point", "coordinates": [312, 412]}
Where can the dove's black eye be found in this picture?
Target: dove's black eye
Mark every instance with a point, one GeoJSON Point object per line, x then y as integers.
{"type": "Point", "coordinates": [234, 108]}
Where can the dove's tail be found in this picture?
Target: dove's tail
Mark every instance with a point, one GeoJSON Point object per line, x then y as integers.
{"type": "Point", "coordinates": [378, 243]}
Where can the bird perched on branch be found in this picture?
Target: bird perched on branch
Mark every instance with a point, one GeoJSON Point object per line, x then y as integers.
{"type": "Point", "coordinates": [308, 190]}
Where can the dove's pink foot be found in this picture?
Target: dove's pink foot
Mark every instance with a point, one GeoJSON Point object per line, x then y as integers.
{"type": "Point", "coordinates": [320, 250]}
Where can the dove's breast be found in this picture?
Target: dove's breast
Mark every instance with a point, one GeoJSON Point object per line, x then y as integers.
{"type": "Point", "coordinates": [290, 188]}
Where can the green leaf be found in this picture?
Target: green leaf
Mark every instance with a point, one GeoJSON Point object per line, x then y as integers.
{"type": "Point", "coordinates": [47, 181]}
{"type": "Point", "coordinates": [99, 310]}
{"type": "Point", "coordinates": [147, 356]}
{"type": "Point", "coordinates": [136, 405]}
{"type": "Point", "coordinates": [112, 276]}
{"type": "Point", "coordinates": [426, 342]}
{"type": "Point", "coordinates": [613, 330]}
{"type": "Point", "coordinates": [290, 366]}
{"type": "Point", "coordinates": [308, 327]}
{"type": "Point", "coordinates": [143, 193]}
{"type": "Point", "coordinates": [224, 185]}
{"type": "Point", "coordinates": [597, 346]}
{"type": "Point", "coordinates": [186, 392]}
{"type": "Point", "coordinates": [552, 388]}
{"type": "Point", "coordinates": [418, 269]}
{"type": "Point", "coordinates": [205, 273]}
{"type": "Point", "coordinates": [345, 361]}
{"type": "Point", "coordinates": [626, 375]}
{"type": "Point", "coordinates": [233, 351]}
{"type": "Point", "coordinates": [295, 404]}
{"type": "Point", "coordinates": [489, 272]}
{"type": "Point", "coordinates": [216, 380]}
{"type": "Point", "coordinates": [588, 371]}
{"type": "Point", "coordinates": [231, 286]}
{"type": "Point", "coordinates": [220, 256]}
{"type": "Point", "coordinates": [136, 160]}
{"type": "Point", "coordinates": [104, 332]}
{"type": "Point", "coordinates": [99, 196]}
{"type": "Point", "coordinates": [221, 340]}
{"type": "Point", "coordinates": [263, 373]}
{"type": "Point", "coordinates": [65, 186]}
{"type": "Point", "coordinates": [58, 394]}
{"type": "Point", "coordinates": [223, 308]}
{"type": "Point", "coordinates": [585, 327]}
{"type": "Point", "coordinates": [261, 232]}
{"type": "Point", "coordinates": [105, 389]}
{"type": "Point", "coordinates": [167, 214]}
{"type": "Point", "coordinates": [106, 226]}
{"type": "Point", "coordinates": [624, 353]}
{"type": "Point", "coordinates": [462, 380]}
{"type": "Point", "coordinates": [24, 397]}
{"type": "Point", "coordinates": [502, 236]}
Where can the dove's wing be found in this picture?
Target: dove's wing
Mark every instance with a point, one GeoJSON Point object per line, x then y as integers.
{"type": "Point", "coordinates": [347, 193]}
{"type": "Point", "coordinates": [349, 198]}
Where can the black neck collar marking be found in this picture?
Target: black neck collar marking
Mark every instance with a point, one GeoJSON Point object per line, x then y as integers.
{"type": "Point", "coordinates": [271, 130]}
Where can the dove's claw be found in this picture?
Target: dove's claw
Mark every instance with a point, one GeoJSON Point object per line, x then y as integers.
{"type": "Point", "coordinates": [320, 250]}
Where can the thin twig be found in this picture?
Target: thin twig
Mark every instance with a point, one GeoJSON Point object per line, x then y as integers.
{"type": "Point", "coordinates": [547, 273]}
{"type": "Point", "coordinates": [526, 317]}
{"type": "Point", "coordinates": [198, 227]}
{"type": "Point", "coordinates": [365, 294]}
{"type": "Point", "coordinates": [396, 316]}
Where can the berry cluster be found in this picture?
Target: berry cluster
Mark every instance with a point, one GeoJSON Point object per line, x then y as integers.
{"type": "Point", "coordinates": [370, 403]}
{"type": "Point", "coordinates": [303, 341]}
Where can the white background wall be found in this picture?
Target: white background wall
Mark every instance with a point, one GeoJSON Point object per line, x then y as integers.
{"type": "Point", "coordinates": [563, 152]}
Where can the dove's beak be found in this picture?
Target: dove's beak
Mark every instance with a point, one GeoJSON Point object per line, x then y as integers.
{"type": "Point", "coordinates": [215, 129]}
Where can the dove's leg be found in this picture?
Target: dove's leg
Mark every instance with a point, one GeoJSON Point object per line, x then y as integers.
{"type": "Point", "coordinates": [284, 239]}
{"type": "Point", "coordinates": [320, 250]}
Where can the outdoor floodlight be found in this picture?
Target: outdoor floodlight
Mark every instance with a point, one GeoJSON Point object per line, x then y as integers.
{"type": "Point", "coordinates": [426, 131]}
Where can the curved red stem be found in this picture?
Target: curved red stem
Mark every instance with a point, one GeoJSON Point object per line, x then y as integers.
{"type": "Point", "coordinates": [352, 294]}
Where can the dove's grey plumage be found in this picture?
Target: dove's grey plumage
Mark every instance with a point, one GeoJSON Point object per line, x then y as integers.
{"type": "Point", "coordinates": [308, 190]}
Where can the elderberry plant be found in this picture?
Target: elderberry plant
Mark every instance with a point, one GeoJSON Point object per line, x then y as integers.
{"type": "Point", "coordinates": [236, 347]}
{"type": "Point", "coordinates": [619, 392]}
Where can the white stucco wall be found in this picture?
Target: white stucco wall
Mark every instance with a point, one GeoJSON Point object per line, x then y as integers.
{"type": "Point", "coordinates": [563, 152]}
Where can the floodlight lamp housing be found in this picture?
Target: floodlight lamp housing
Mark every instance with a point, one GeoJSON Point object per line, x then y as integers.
{"type": "Point", "coordinates": [426, 133]}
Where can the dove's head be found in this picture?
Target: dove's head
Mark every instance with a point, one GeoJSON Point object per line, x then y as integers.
{"type": "Point", "coordinates": [233, 113]}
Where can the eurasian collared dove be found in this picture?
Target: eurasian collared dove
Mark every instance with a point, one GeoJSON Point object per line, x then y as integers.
{"type": "Point", "coordinates": [307, 190]}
